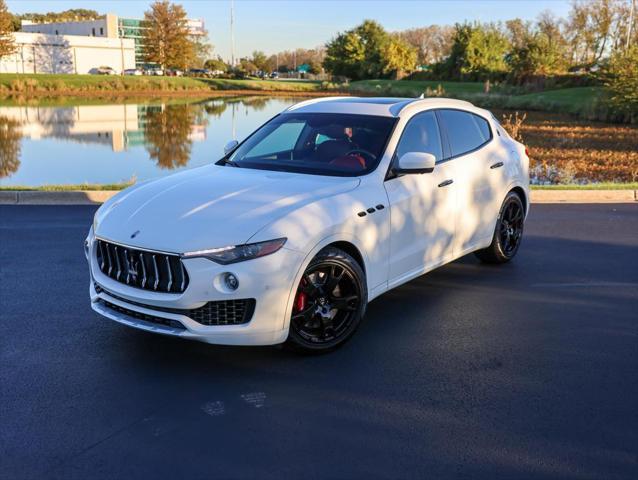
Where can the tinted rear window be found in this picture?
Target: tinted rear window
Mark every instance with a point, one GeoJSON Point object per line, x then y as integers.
{"type": "Point", "coordinates": [465, 130]}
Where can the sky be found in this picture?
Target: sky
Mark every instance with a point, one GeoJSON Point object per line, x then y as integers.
{"type": "Point", "coordinates": [272, 26]}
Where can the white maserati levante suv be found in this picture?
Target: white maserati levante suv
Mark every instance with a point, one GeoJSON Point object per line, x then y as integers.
{"type": "Point", "coordinates": [325, 207]}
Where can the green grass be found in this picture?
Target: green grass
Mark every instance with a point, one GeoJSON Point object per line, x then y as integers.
{"type": "Point", "coordinates": [67, 188]}
{"type": "Point", "coordinates": [20, 83]}
{"type": "Point", "coordinates": [62, 84]}
{"type": "Point", "coordinates": [589, 186]}
{"type": "Point", "coordinates": [121, 186]}
{"type": "Point", "coordinates": [264, 85]}
{"type": "Point", "coordinates": [581, 101]}
{"type": "Point", "coordinates": [412, 88]}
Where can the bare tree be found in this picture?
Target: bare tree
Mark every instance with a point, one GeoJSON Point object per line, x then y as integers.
{"type": "Point", "coordinates": [433, 43]}
{"type": "Point", "coordinates": [596, 28]}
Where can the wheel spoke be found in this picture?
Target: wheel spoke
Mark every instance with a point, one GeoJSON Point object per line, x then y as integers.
{"type": "Point", "coordinates": [304, 315]}
{"type": "Point", "coordinates": [309, 287]}
{"type": "Point", "coordinates": [517, 216]}
{"type": "Point", "coordinates": [345, 303]}
{"type": "Point", "coordinates": [326, 325]}
{"type": "Point", "coordinates": [333, 278]}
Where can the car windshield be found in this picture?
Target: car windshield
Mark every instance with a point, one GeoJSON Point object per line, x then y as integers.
{"type": "Point", "coordinates": [316, 143]}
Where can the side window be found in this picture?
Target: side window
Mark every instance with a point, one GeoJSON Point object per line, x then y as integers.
{"type": "Point", "coordinates": [465, 130]}
{"type": "Point", "coordinates": [281, 139]}
{"type": "Point", "coordinates": [421, 134]}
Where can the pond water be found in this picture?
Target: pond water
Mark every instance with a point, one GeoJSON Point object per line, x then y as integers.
{"type": "Point", "coordinates": [41, 145]}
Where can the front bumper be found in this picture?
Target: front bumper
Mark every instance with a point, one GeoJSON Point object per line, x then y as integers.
{"type": "Point", "coordinates": [269, 280]}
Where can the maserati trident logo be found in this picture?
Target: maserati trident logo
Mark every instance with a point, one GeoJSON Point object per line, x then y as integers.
{"type": "Point", "coordinates": [135, 233]}
{"type": "Point", "coordinates": [133, 265]}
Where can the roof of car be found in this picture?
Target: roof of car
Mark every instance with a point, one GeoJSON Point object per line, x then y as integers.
{"type": "Point", "coordinates": [380, 106]}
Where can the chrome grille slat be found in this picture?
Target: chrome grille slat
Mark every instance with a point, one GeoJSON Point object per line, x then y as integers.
{"type": "Point", "coordinates": [170, 274]}
{"type": "Point", "coordinates": [143, 284]}
{"type": "Point", "coordinates": [183, 274]}
{"type": "Point", "coordinates": [117, 261]}
{"type": "Point", "coordinates": [100, 246]}
{"type": "Point", "coordinates": [160, 272]}
{"type": "Point", "coordinates": [156, 272]}
{"type": "Point", "coordinates": [108, 254]}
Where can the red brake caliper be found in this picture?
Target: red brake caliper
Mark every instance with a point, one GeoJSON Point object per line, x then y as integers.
{"type": "Point", "coordinates": [300, 299]}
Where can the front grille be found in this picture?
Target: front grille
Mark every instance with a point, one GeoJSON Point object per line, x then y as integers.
{"type": "Point", "coordinates": [166, 322]}
{"type": "Point", "coordinates": [159, 272]}
{"type": "Point", "coordinates": [221, 312]}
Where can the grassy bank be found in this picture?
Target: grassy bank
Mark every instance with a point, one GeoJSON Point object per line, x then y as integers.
{"type": "Point", "coordinates": [581, 101]}
{"type": "Point", "coordinates": [83, 187]}
{"type": "Point", "coordinates": [16, 85]}
{"type": "Point", "coordinates": [121, 186]}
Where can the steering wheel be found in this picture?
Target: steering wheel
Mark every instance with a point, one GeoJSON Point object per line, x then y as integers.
{"type": "Point", "coordinates": [370, 156]}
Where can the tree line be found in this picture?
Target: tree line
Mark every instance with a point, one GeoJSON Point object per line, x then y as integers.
{"type": "Point", "coordinates": [587, 40]}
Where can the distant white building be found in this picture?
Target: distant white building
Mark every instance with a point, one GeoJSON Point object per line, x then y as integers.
{"type": "Point", "coordinates": [46, 53]}
{"type": "Point", "coordinates": [109, 26]}
{"type": "Point", "coordinates": [102, 27]}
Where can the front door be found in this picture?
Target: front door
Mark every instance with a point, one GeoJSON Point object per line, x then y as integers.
{"type": "Point", "coordinates": [422, 206]}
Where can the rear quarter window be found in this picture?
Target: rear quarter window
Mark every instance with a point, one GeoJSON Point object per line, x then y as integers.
{"type": "Point", "coordinates": [466, 132]}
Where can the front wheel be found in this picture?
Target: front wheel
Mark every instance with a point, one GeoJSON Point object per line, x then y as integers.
{"type": "Point", "coordinates": [508, 232]}
{"type": "Point", "coordinates": [329, 303]}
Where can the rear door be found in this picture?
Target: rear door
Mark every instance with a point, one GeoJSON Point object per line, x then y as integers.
{"type": "Point", "coordinates": [478, 176]}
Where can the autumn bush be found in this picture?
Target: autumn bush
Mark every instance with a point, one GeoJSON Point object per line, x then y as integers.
{"type": "Point", "coordinates": [564, 150]}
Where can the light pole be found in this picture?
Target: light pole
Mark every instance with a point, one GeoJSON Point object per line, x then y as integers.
{"type": "Point", "coordinates": [232, 34]}
{"type": "Point", "coordinates": [632, 8]}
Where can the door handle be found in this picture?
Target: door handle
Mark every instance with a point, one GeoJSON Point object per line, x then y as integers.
{"type": "Point", "coordinates": [446, 183]}
{"type": "Point", "coordinates": [497, 165]}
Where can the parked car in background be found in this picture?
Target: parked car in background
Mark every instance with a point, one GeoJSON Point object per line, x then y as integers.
{"type": "Point", "coordinates": [133, 71]}
{"type": "Point", "coordinates": [103, 70]}
{"type": "Point", "coordinates": [174, 73]}
{"type": "Point", "coordinates": [153, 72]}
{"type": "Point", "coordinates": [274, 75]}
{"type": "Point", "coordinates": [325, 207]}
{"type": "Point", "coordinates": [199, 72]}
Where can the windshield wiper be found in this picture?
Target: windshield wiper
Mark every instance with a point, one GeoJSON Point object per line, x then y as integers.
{"type": "Point", "coordinates": [227, 161]}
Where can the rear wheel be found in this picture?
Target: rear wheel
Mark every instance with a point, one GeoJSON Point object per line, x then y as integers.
{"type": "Point", "coordinates": [329, 303]}
{"type": "Point", "coordinates": [508, 232]}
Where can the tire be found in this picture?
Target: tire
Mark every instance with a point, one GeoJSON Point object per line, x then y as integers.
{"type": "Point", "coordinates": [329, 303]}
{"type": "Point", "coordinates": [508, 232]}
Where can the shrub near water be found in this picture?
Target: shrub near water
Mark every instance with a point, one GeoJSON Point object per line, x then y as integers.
{"type": "Point", "coordinates": [565, 151]}
{"type": "Point", "coordinates": [40, 84]}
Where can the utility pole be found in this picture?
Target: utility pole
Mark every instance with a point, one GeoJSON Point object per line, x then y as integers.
{"type": "Point", "coordinates": [232, 33]}
{"type": "Point", "coordinates": [631, 22]}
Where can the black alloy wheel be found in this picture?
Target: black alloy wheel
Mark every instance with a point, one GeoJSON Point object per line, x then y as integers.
{"type": "Point", "coordinates": [329, 303]}
{"type": "Point", "coordinates": [511, 227]}
{"type": "Point", "coordinates": [508, 233]}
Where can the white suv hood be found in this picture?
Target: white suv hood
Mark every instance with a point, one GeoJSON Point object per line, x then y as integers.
{"type": "Point", "coordinates": [209, 207]}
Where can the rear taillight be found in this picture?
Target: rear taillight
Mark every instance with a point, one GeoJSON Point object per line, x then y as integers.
{"type": "Point", "coordinates": [526, 152]}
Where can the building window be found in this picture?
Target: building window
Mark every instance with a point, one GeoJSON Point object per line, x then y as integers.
{"type": "Point", "coordinates": [101, 31]}
{"type": "Point", "coordinates": [93, 32]}
{"type": "Point", "coordinates": [57, 33]}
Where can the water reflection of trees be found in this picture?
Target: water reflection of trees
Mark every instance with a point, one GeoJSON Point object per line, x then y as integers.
{"type": "Point", "coordinates": [10, 145]}
{"type": "Point", "coordinates": [167, 132]}
{"type": "Point", "coordinates": [215, 108]}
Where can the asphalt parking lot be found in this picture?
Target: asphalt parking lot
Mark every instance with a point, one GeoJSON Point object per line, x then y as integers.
{"type": "Point", "coordinates": [528, 370]}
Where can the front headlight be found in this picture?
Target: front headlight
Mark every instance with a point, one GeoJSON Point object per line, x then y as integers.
{"type": "Point", "coordinates": [238, 253]}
